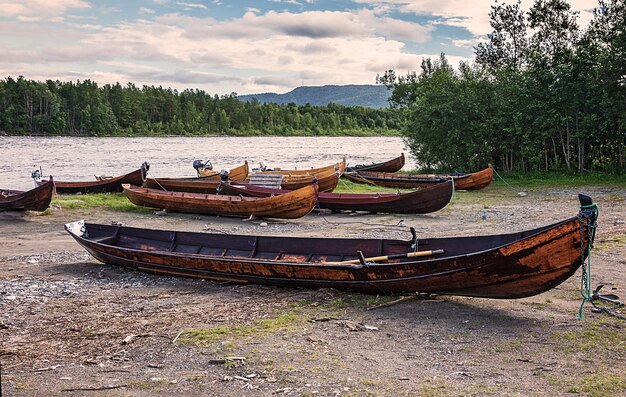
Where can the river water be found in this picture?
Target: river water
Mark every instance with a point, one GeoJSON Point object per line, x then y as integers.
{"type": "Point", "coordinates": [80, 158]}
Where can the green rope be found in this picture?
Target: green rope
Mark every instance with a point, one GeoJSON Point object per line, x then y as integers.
{"type": "Point", "coordinates": [585, 281]}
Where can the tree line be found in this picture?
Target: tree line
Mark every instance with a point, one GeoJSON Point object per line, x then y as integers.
{"type": "Point", "coordinates": [84, 108]}
{"type": "Point", "coordinates": [542, 94]}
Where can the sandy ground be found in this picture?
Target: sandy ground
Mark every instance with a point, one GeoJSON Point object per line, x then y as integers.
{"type": "Point", "coordinates": [70, 325]}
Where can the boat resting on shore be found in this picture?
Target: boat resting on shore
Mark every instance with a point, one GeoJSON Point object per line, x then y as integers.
{"type": "Point", "coordinates": [295, 204]}
{"type": "Point", "coordinates": [393, 165]}
{"type": "Point", "coordinates": [422, 201]}
{"type": "Point", "coordinates": [106, 185]}
{"type": "Point", "coordinates": [239, 174]}
{"type": "Point", "coordinates": [505, 266]}
{"type": "Point", "coordinates": [37, 199]}
{"type": "Point", "coordinates": [472, 181]}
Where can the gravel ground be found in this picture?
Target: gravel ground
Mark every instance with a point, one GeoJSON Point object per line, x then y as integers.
{"type": "Point", "coordinates": [70, 325]}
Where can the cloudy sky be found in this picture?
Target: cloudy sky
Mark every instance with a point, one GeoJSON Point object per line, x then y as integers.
{"type": "Point", "coordinates": [225, 46]}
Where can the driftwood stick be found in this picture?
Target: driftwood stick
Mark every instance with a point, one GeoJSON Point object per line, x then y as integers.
{"type": "Point", "coordinates": [386, 304]}
{"type": "Point", "coordinates": [94, 388]}
{"type": "Point", "coordinates": [178, 336]}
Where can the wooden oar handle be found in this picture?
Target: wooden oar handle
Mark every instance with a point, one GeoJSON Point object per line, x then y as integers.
{"type": "Point", "coordinates": [388, 257]}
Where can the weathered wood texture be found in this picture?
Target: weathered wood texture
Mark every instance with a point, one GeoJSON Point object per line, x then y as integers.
{"type": "Point", "coordinates": [474, 181]}
{"type": "Point", "coordinates": [393, 165]}
{"type": "Point", "coordinates": [293, 205]}
{"type": "Point", "coordinates": [37, 199]}
{"type": "Point", "coordinates": [421, 201]}
{"type": "Point", "coordinates": [239, 173]}
{"type": "Point", "coordinates": [110, 185]}
{"type": "Point", "coordinates": [511, 265]}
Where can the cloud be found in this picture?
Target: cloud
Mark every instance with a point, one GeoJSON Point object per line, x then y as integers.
{"type": "Point", "coordinates": [192, 5]}
{"type": "Point", "coordinates": [144, 10]}
{"type": "Point", "coordinates": [35, 10]}
{"type": "Point", "coordinates": [472, 15]}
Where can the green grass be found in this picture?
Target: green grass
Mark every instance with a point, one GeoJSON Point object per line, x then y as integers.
{"type": "Point", "coordinates": [113, 201]}
{"type": "Point", "coordinates": [602, 384]}
{"type": "Point", "coordinates": [562, 179]}
{"type": "Point", "coordinates": [208, 336]}
{"type": "Point", "coordinates": [597, 338]}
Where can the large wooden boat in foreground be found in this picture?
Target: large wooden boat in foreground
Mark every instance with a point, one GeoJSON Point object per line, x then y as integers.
{"type": "Point", "coordinates": [37, 199]}
{"type": "Point", "coordinates": [422, 201]}
{"type": "Point", "coordinates": [393, 165]}
{"type": "Point", "coordinates": [473, 181]}
{"type": "Point", "coordinates": [107, 185]}
{"type": "Point", "coordinates": [293, 205]}
{"type": "Point", "coordinates": [512, 265]}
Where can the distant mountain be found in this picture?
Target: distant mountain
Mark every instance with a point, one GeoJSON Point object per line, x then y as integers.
{"type": "Point", "coordinates": [373, 96]}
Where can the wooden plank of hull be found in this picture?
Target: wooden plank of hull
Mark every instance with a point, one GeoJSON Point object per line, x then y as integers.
{"type": "Point", "coordinates": [189, 185]}
{"type": "Point", "coordinates": [290, 206]}
{"type": "Point", "coordinates": [238, 174]}
{"type": "Point", "coordinates": [474, 181]}
{"type": "Point", "coordinates": [37, 199]}
{"type": "Point", "coordinates": [421, 201]}
{"type": "Point", "coordinates": [325, 183]}
{"type": "Point", "coordinates": [500, 266]}
{"type": "Point", "coordinates": [393, 165]}
{"type": "Point", "coordinates": [111, 185]}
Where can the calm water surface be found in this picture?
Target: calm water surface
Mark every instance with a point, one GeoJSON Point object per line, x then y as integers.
{"type": "Point", "coordinates": [71, 158]}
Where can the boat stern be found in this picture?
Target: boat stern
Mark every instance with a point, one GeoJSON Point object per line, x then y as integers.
{"type": "Point", "coordinates": [76, 228]}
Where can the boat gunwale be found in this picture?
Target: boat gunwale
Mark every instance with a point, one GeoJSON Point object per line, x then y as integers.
{"type": "Point", "coordinates": [536, 232]}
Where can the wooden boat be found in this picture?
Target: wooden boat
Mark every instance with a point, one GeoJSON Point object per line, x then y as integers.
{"type": "Point", "coordinates": [108, 185]}
{"type": "Point", "coordinates": [293, 205]}
{"type": "Point", "coordinates": [474, 181]}
{"type": "Point", "coordinates": [322, 171]}
{"type": "Point", "coordinates": [393, 165]}
{"type": "Point", "coordinates": [325, 182]}
{"type": "Point", "coordinates": [206, 185]}
{"type": "Point", "coordinates": [236, 174]}
{"type": "Point", "coordinates": [421, 201]}
{"type": "Point", "coordinates": [513, 265]}
{"type": "Point", "coordinates": [37, 199]}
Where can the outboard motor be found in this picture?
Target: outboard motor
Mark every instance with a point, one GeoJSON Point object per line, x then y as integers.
{"type": "Point", "coordinates": [224, 174]}
{"type": "Point", "coordinates": [262, 166]}
{"type": "Point", "coordinates": [197, 164]}
{"type": "Point", "coordinates": [36, 175]}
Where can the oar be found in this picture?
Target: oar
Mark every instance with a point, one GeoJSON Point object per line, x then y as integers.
{"type": "Point", "coordinates": [386, 257]}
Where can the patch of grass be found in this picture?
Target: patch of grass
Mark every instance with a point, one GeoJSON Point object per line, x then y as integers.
{"type": "Point", "coordinates": [618, 240]}
{"type": "Point", "coordinates": [434, 388]}
{"type": "Point", "coordinates": [540, 305]}
{"type": "Point", "coordinates": [196, 378]}
{"type": "Point", "coordinates": [113, 201]}
{"type": "Point", "coordinates": [599, 385]}
{"type": "Point", "coordinates": [208, 336]}
{"type": "Point", "coordinates": [509, 345]}
{"type": "Point", "coordinates": [553, 179]}
{"type": "Point", "coordinates": [596, 338]}
{"type": "Point", "coordinates": [346, 186]}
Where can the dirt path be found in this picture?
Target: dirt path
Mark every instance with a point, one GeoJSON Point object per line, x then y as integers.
{"type": "Point", "coordinates": [69, 324]}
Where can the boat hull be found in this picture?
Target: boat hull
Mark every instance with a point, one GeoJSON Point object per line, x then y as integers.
{"type": "Point", "coordinates": [393, 165]}
{"type": "Point", "coordinates": [110, 185]}
{"type": "Point", "coordinates": [474, 181]}
{"type": "Point", "coordinates": [37, 199]}
{"type": "Point", "coordinates": [294, 205]}
{"type": "Point", "coordinates": [504, 266]}
{"type": "Point", "coordinates": [421, 201]}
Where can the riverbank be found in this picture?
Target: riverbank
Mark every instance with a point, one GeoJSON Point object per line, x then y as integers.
{"type": "Point", "coordinates": [68, 322]}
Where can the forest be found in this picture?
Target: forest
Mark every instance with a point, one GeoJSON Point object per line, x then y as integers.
{"type": "Point", "coordinates": [84, 108]}
{"type": "Point", "coordinates": [542, 95]}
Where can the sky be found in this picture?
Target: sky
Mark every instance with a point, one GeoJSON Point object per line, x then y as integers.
{"type": "Point", "coordinates": [246, 47]}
